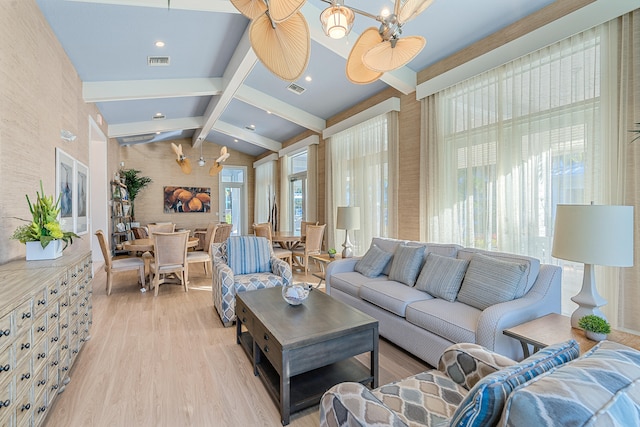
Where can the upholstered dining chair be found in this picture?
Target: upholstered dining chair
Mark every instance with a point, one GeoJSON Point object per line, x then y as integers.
{"type": "Point", "coordinates": [204, 236]}
{"type": "Point", "coordinates": [312, 246]}
{"type": "Point", "coordinates": [204, 257]}
{"type": "Point", "coordinates": [161, 228]}
{"type": "Point", "coordinates": [112, 266]}
{"type": "Point", "coordinates": [170, 256]}
{"type": "Point", "coordinates": [222, 232]}
{"type": "Point", "coordinates": [303, 231]}
{"type": "Point", "coordinates": [264, 230]}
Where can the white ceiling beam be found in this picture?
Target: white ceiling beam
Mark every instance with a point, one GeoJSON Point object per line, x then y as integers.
{"type": "Point", "coordinates": [238, 69]}
{"type": "Point", "coordinates": [152, 126]}
{"type": "Point", "coordinates": [275, 106]}
{"type": "Point", "coordinates": [126, 90]}
{"type": "Point", "coordinates": [221, 6]}
{"type": "Point", "coordinates": [247, 136]}
{"type": "Point", "coordinates": [403, 79]}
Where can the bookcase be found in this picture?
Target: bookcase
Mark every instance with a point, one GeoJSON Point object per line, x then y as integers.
{"type": "Point", "coordinates": [120, 217]}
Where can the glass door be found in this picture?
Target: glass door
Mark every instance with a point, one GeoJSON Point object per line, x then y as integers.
{"type": "Point", "coordinates": [298, 192]}
{"type": "Point", "coordinates": [233, 198]}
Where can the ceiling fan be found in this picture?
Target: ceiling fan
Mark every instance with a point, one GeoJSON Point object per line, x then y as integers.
{"type": "Point", "coordinates": [182, 160]}
{"type": "Point", "coordinates": [217, 164]}
{"type": "Point", "coordinates": [279, 36]}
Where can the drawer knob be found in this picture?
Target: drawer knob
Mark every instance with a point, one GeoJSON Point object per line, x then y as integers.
{"type": "Point", "coordinates": [42, 409]}
{"type": "Point", "coordinates": [54, 363]}
{"type": "Point", "coordinates": [53, 315]}
{"type": "Point", "coordinates": [54, 339]}
{"type": "Point", "coordinates": [26, 407]}
{"type": "Point", "coordinates": [41, 329]}
{"type": "Point", "coordinates": [42, 302]}
{"type": "Point", "coordinates": [266, 337]}
{"type": "Point", "coordinates": [5, 404]}
{"type": "Point", "coordinates": [25, 376]}
{"type": "Point", "coordinates": [54, 291]}
{"type": "Point", "coordinates": [26, 315]}
{"type": "Point", "coordinates": [266, 349]}
{"type": "Point", "coordinates": [6, 332]}
{"type": "Point", "coordinates": [42, 382]}
{"type": "Point", "coordinates": [244, 320]}
{"type": "Point", "coordinates": [5, 368]}
{"type": "Point", "coordinates": [25, 346]}
{"type": "Point", "coordinates": [41, 356]}
{"type": "Point", "coordinates": [244, 310]}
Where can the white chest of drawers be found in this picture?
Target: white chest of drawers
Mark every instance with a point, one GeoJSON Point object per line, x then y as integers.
{"type": "Point", "coordinates": [45, 318]}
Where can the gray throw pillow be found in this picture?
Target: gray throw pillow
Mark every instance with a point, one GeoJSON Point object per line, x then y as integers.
{"type": "Point", "coordinates": [442, 276]}
{"type": "Point", "coordinates": [406, 264]}
{"type": "Point", "coordinates": [490, 281]}
{"type": "Point", "coordinates": [373, 262]}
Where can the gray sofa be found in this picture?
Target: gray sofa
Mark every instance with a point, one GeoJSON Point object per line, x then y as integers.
{"type": "Point", "coordinates": [425, 325]}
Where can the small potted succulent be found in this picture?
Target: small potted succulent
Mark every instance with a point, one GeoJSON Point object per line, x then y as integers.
{"type": "Point", "coordinates": [595, 327]}
{"type": "Point", "coordinates": [332, 253]}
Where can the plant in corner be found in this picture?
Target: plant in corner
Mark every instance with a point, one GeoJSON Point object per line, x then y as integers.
{"type": "Point", "coordinates": [596, 328]}
{"type": "Point", "coordinates": [134, 183]}
{"type": "Point", "coordinates": [44, 227]}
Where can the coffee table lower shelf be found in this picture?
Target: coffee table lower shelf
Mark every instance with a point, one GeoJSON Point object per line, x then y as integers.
{"type": "Point", "coordinates": [307, 388]}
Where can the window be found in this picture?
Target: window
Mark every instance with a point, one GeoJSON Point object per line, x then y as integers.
{"type": "Point", "coordinates": [298, 189]}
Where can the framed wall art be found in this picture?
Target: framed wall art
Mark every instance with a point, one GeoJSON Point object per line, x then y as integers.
{"type": "Point", "coordinates": [187, 199]}
{"type": "Point", "coordinates": [65, 176]}
{"type": "Point", "coordinates": [82, 199]}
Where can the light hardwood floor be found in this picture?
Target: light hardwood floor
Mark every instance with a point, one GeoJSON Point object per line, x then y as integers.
{"type": "Point", "coordinates": [168, 361]}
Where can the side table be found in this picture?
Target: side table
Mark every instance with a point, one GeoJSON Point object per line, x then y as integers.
{"type": "Point", "coordinates": [323, 260]}
{"type": "Point", "coordinates": [554, 328]}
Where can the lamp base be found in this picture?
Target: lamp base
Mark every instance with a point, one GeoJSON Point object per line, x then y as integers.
{"type": "Point", "coordinates": [347, 252]}
{"type": "Point", "coordinates": [588, 299]}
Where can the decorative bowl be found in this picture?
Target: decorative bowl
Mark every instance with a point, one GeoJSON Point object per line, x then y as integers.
{"type": "Point", "coordinates": [295, 293]}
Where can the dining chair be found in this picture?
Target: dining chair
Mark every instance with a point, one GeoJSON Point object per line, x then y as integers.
{"type": "Point", "coordinates": [312, 246]}
{"type": "Point", "coordinates": [204, 236]}
{"type": "Point", "coordinates": [170, 253]}
{"type": "Point", "coordinates": [112, 266]}
{"type": "Point", "coordinates": [222, 233]}
{"type": "Point", "coordinates": [200, 256]}
{"type": "Point", "coordinates": [303, 230]}
{"type": "Point", "coordinates": [264, 230]}
{"type": "Point", "coordinates": [161, 228]}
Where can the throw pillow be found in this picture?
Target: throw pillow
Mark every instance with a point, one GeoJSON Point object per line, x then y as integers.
{"type": "Point", "coordinates": [485, 401]}
{"type": "Point", "coordinates": [442, 276]}
{"type": "Point", "coordinates": [248, 254]}
{"type": "Point", "coordinates": [406, 264]}
{"type": "Point", "coordinates": [490, 281]}
{"type": "Point", "coordinates": [373, 262]}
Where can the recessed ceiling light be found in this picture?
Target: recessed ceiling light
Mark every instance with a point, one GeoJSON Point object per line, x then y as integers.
{"type": "Point", "coordinates": [159, 43]}
{"type": "Point", "coordinates": [158, 133]}
{"type": "Point", "coordinates": [308, 78]}
{"type": "Point", "coordinates": [235, 140]}
{"type": "Point", "coordinates": [268, 112]}
{"type": "Point", "coordinates": [158, 114]}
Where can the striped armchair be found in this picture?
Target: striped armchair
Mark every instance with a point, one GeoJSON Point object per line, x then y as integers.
{"type": "Point", "coordinates": [242, 264]}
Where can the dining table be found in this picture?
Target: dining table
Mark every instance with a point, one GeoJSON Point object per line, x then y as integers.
{"type": "Point", "coordinates": [286, 239]}
{"type": "Point", "coordinates": [146, 245]}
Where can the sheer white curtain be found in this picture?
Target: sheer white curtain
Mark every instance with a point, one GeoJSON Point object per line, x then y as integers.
{"type": "Point", "coordinates": [265, 191]}
{"type": "Point", "coordinates": [283, 206]}
{"type": "Point", "coordinates": [361, 171]}
{"type": "Point", "coordinates": [311, 196]}
{"type": "Point", "coordinates": [502, 149]}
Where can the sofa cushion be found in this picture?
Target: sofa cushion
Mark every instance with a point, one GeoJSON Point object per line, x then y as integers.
{"type": "Point", "coordinates": [426, 399]}
{"type": "Point", "coordinates": [373, 262]}
{"type": "Point", "coordinates": [442, 276]}
{"type": "Point", "coordinates": [351, 281]}
{"type": "Point", "coordinates": [443, 249]}
{"type": "Point", "coordinates": [406, 264]}
{"type": "Point", "coordinates": [600, 388]}
{"type": "Point", "coordinates": [453, 321]}
{"type": "Point", "coordinates": [392, 296]}
{"type": "Point", "coordinates": [248, 254]}
{"type": "Point", "coordinates": [531, 272]}
{"type": "Point", "coordinates": [486, 400]}
{"type": "Point", "coordinates": [490, 281]}
{"type": "Point", "coordinates": [387, 245]}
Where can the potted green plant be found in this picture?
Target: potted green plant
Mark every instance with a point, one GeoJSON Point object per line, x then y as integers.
{"type": "Point", "coordinates": [134, 183]}
{"type": "Point", "coordinates": [595, 327]}
{"type": "Point", "coordinates": [332, 253]}
{"type": "Point", "coordinates": [43, 234]}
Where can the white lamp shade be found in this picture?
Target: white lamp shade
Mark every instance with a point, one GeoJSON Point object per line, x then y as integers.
{"type": "Point", "coordinates": [348, 218]}
{"type": "Point", "coordinates": [594, 234]}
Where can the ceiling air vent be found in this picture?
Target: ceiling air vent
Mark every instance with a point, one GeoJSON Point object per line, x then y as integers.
{"type": "Point", "coordinates": [158, 61]}
{"type": "Point", "coordinates": [296, 89]}
{"type": "Point", "coordinates": [159, 117]}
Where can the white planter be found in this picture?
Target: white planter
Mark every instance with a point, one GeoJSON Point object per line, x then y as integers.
{"type": "Point", "coordinates": [594, 336]}
{"type": "Point", "coordinates": [35, 252]}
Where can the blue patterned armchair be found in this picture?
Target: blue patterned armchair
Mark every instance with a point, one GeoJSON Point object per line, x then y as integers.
{"type": "Point", "coordinates": [242, 264]}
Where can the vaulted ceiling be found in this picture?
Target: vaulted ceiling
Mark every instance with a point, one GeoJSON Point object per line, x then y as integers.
{"type": "Point", "coordinates": [210, 86]}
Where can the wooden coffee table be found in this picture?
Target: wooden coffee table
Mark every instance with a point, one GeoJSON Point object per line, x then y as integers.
{"type": "Point", "coordinates": [301, 351]}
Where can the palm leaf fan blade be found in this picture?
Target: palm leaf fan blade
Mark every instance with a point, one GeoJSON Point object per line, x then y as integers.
{"type": "Point", "coordinates": [385, 58]}
{"type": "Point", "coordinates": [356, 71]}
{"type": "Point", "coordinates": [185, 166]}
{"type": "Point", "coordinates": [412, 8]}
{"type": "Point", "coordinates": [281, 10]}
{"type": "Point", "coordinates": [284, 50]}
{"type": "Point", "coordinates": [250, 8]}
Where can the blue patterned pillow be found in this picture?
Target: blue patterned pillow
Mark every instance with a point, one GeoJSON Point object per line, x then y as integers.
{"type": "Point", "coordinates": [406, 264]}
{"type": "Point", "coordinates": [373, 262]}
{"type": "Point", "coordinates": [485, 401]}
{"type": "Point", "coordinates": [248, 255]}
{"type": "Point", "coordinates": [442, 276]}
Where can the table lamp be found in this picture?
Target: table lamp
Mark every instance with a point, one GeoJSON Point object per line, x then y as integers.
{"type": "Point", "coordinates": [593, 234]}
{"type": "Point", "coordinates": [348, 219]}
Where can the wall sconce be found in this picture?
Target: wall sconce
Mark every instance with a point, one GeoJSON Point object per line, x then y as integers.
{"type": "Point", "coordinates": [67, 135]}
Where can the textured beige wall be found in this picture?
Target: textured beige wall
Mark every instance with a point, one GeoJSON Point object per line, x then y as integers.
{"type": "Point", "coordinates": [157, 161]}
{"type": "Point", "coordinates": [40, 94]}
